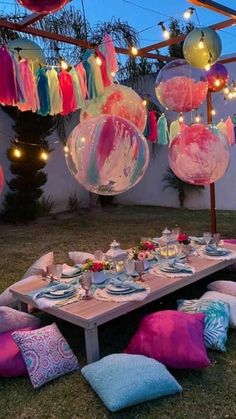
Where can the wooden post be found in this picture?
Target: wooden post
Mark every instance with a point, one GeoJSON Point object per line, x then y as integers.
{"type": "Point", "coordinates": [212, 185]}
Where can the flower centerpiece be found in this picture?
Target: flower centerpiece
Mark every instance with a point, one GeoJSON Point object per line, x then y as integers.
{"type": "Point", "coordinates": [97, 269]}
{"type": "Point", "coordinates": [183, 238]}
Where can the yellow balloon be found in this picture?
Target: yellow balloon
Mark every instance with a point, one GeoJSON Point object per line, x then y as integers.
{"type": "Point", "coordinates": [27, 49]}
{"type": "Point", "coordinates": [202, 47]}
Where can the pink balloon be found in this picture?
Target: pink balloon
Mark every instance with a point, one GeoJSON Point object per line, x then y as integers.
{"type": "Point", "coordinates": [199, 156]}
{"type": "Point", "coordinates": [179, 87]}
{"type": "Point", "coordinates": [43, 6]}
{"type": "Point", "coordinates": [217, 77]}
{"type": "Point", "coordinates": [1, 179]}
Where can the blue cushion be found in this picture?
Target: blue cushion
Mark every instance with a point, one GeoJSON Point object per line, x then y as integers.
{"type": "Point", "coordinates": [217, 314]}
{"type": "Point", "coordinates": [123, 380]}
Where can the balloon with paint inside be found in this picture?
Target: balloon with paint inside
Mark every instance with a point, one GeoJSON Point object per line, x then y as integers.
{"type": "Point", "coordinates": [199, 155]}
{"type": "Point", "coordinates": [107, 154]}
{"type": "Point", "coordinates": [43, 6]}
{"type": "Point", "coordinates": [217, 77]}
{"type": "Point", "coordinates": [179, 87]}
{"type": "Point", "coordinates": [120, 101]}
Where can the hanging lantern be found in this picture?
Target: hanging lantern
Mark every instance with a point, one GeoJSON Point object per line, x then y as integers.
{"type": "Point", "coordinates": [1, 179]}
{"type": "Point", "coordinates": [27, 49]}
{"type": "Point", "coordinates": [120, 101]}
{"type": "Point", "coordinates": [107, 154]}
{"type": "Point", "coordinates": [217, 77]}
{"type": "Point", "coordinates": [43, 6]}
{"type": "Point", "coordinates": [180, 88]}
{"type": "Point", "coordinates": [202, 47]}
{"type": "Point", "coordinates": [199, 155]}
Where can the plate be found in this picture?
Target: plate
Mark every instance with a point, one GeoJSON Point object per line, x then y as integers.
{"type": "Point", "coordinates": [169, 269]}
{"type": "Point", "coordinates": [65, 295]}
{"type": "Point", "coordinates": [224, 253]}
{"type": "Point", "coordinates": [112, 288]}
{"type": "Point", "coordinates": [119, 292]}
{"type": "Point", "coordinates": [59, 292]}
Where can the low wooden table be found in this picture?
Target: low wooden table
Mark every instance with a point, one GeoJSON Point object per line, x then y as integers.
{"type": "Point", "coordinates": [92, 313]}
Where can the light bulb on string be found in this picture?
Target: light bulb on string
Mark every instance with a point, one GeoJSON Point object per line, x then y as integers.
{"type": "Point", "coordinates": [43, 155]}
{"type": "Point", "coordinates": [63, 64]}
{"type": "Point", "coordinates": [230, 95]}
{"type": "Point", "coordinates": [17, 152]}
{"type": "Point", "coordinates": [226, 90]}
{"type": "Point", "coordinates": [181, 117]}
{"type": "Point", "coordinates": [145, 102]}
{"type": "Point", "coordinates": [165, 32]}
{"type": "Point", "coordinates": [134, 50]}
{"type": "Point", "coordinates": [213, 112]}
{"type": "Point", "coordinates": [208, 66]}
{"type": "Point", "coordinates": [98, 61]}
{"type": "Point", "coordinates": [66, 149]}
{"type": "Point", "coordinates": [197, 118]}
{"type": "Point", "coordinates": [217, 82]}
{"type": "Point", "coordinates": [188, 13]}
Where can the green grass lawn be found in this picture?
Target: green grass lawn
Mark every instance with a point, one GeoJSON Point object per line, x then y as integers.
{"type": "Point", "coordinates": [207, 394]}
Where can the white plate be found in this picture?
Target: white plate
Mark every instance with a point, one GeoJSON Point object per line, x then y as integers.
{"type": "Point", "coordinates": [117, 289]}
{"type": "Point", "coordinates": [58, 292]}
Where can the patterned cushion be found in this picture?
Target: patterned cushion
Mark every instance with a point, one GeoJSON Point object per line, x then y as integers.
{"type": "Point", "coordinates": [6, 297]}
{"type": "Point", "coordinates": [173, 338]}
{"type": "Point", "coordinates": [122, 380]}
{"type": "Point", "coordinates": [216, 320]}
{"type": "Point", "coordinates": [226, 287]}
{"type": "Point", "coordinates": [12, 319]}
{"type": "Point", "coordinates": [230, 299]}
{"type": "Point", "coordinates": [46, 353]}
{"type": "Point", "coordinates": [12, 363]}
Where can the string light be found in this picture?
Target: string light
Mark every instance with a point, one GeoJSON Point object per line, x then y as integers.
{"type": "Point", "coordinates": [197, 118]}
{"type": "Point", "coordinates": [217, 82]}
{"type": "Point", "coordinates": [145, 102]}
{"type": "Point", "coordinates": [98, 61]}
{"type": "Point", "coordinates": [165, 32]}
{"type": "Point", "coordinates": [226, 90]}
{"type": "Point", "coordinates": [66, 149]}
{"type": "Point", "coordinates": [134, 50]}
{"type": "Point", "coordinates": [181, 117]}
{"type": "Point", "coordinates": [213, 112]}
{"type": "Point", "coordinates": [43, 155]}
{"type": "Point", "coordinates": [17, 152]}
{"type": "Point", "coordinates": [188, 13]}
{"type": "Point", "coordinates": [208, 66]}
{"type": "Point", "coordinates": [63, 64]}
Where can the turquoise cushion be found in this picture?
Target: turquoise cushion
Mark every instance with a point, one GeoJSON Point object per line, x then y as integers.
{"type": "Point", "coordinates": [217, 314]}
{"type": "Point", "coordinates": [123, 380]}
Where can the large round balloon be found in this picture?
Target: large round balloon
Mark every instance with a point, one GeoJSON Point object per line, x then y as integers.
{"type": "Point", "coordinates": [27, 49]}
{"type": "Point", "coordinates": [217, 77]}
{"type": "Point", "coordinates": [201, 47]}
{"type": "Point", "coordinates": [198, 155]}
{"type": "Point", "coordinates": [43, 6]}
{"type": "Point", "coordinates": [1, 179]}
{"type": "Point", "coordinates": [120, 101]}
{"type": "Point", "coordinates": [179, 87]}
{"type": "Point", "coordinates": [107, 154]}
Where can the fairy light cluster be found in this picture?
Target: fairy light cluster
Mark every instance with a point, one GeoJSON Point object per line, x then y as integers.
{"type": "Point", "coordinates": [230, 91]}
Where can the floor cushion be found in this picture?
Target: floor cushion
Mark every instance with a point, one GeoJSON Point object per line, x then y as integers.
{"type": "Point", "coordinates": [230, 299]}
{"type": "Point", "coordinates": [217, 315]}
{"type": "Point", "coordinates": [12, 363]}
{"type": "Point", "coordinates": [13, 319]}
{"type": "Point", "coordinates": [173, 338]}
{"type": "Point", "coordinates": [38, 267]}
{"type": "Point", "coordinates": [46, 353]}
{"type": "Point", "coordinates": [123, 380]}
{"type": "Point", "coordinates": [80, 257]}
{"type": "Point", "coordinates": [226, 287]}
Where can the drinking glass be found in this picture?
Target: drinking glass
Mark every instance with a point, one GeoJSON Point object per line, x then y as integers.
{"type": "Point", "coordinates": [99, 255]}
{"type": "Point", "coordinates": [139, 267]}
{"type": "Point", "coordinates": [54, 272]}
{"type": "Point", "coordinates": [129, 267]}
{"type": "Point", "coordinates": [86, 282]}
{"type": "Point", "coordinates": [187, 251]}
{"type": "Point", "coordinates": [216, 238]}
{"type": "Point", "coordinates": [207, 237]}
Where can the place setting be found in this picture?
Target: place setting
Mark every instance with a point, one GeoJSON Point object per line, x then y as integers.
{"type": "Point", "coordinates": [213, 248]}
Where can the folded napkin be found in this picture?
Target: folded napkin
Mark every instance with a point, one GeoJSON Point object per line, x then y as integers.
{"type": "Point", "coordinates": [180, 267]}
{"type": "Point", "coordinates": [127, 284]}
{"type": "Point", "coordinates": [70, 270]}
{"type": "Point", "coordinates": [211, 247]}
{"type": "Point", "coordinates": [198, 240]}
{"type": "Point", "coordinates": [45, 291]}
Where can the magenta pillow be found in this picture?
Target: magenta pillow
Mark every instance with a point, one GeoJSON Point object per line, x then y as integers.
{"type": "Point", "coordinates": [12, 363]}
{"type": "Point", "coordinates": [173, 338]}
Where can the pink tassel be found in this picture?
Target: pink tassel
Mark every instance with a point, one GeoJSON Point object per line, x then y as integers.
{"type": "Point", "coordinates": [153, 127]}
{"type": "Point", "coordinates": [68, 94]}
{"type": "Point", "coordinates": [230, 130]}
{"type": "Point", "coordinates": [10, 91]}
{"type": "Point", "coordinates": [82, 79]}
{"type": "Point", "coordinates": [105, 78]}
{"type": "Point", "coordinates": [31, 94]}
{"type": "Point", "coordinates": [109, 51]}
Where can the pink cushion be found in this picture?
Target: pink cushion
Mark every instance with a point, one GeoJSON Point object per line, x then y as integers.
{"type": "Point", "coordinates": [12, 363]}
{"type": "Point", "coordinates": [226, 287]}
{"type": "Point", "coordinates": [13, 319]}
{"type": "Point", "coordinates": [173, 338]}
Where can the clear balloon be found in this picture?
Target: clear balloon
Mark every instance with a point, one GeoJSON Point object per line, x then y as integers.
{"type": "Point", "coordinates": [107, 154]}
{"type": "Point", "coordinates": [202, 46]}
{"type": "Point", "coordinates": [118, 100]}
{"type": "Point", "coordinates": [43, 6]}
{"type": "Point", "coordinates": [1, 179]}
{"type": "Point", "coordinates": [27, 49]}
{"type": "Point", "coordinates": [217, 77]}
{"type": "Point", "coordinates": [199, 155]}
{"type": "Point", "coordinates": [179, 87]}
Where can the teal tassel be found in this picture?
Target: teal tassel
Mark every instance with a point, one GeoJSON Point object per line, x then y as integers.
{"type": "Point", "coordinates": [162, 129]}
{"type": "Point", "coordinates": [92, 92]}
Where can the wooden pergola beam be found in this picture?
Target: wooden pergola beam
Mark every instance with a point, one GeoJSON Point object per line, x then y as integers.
{"type": "Point", "coordinates": [215, 7]}
{"type": "Point", "coordinates": [30, 19]}
{"type": "Point", "coordinates": [180, 38]}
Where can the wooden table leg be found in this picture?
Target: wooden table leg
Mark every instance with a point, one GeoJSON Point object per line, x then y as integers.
{"type": "Point", "coordinates": [91, 344]}
{"type": "Point", "coordinates": [22, 306]}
